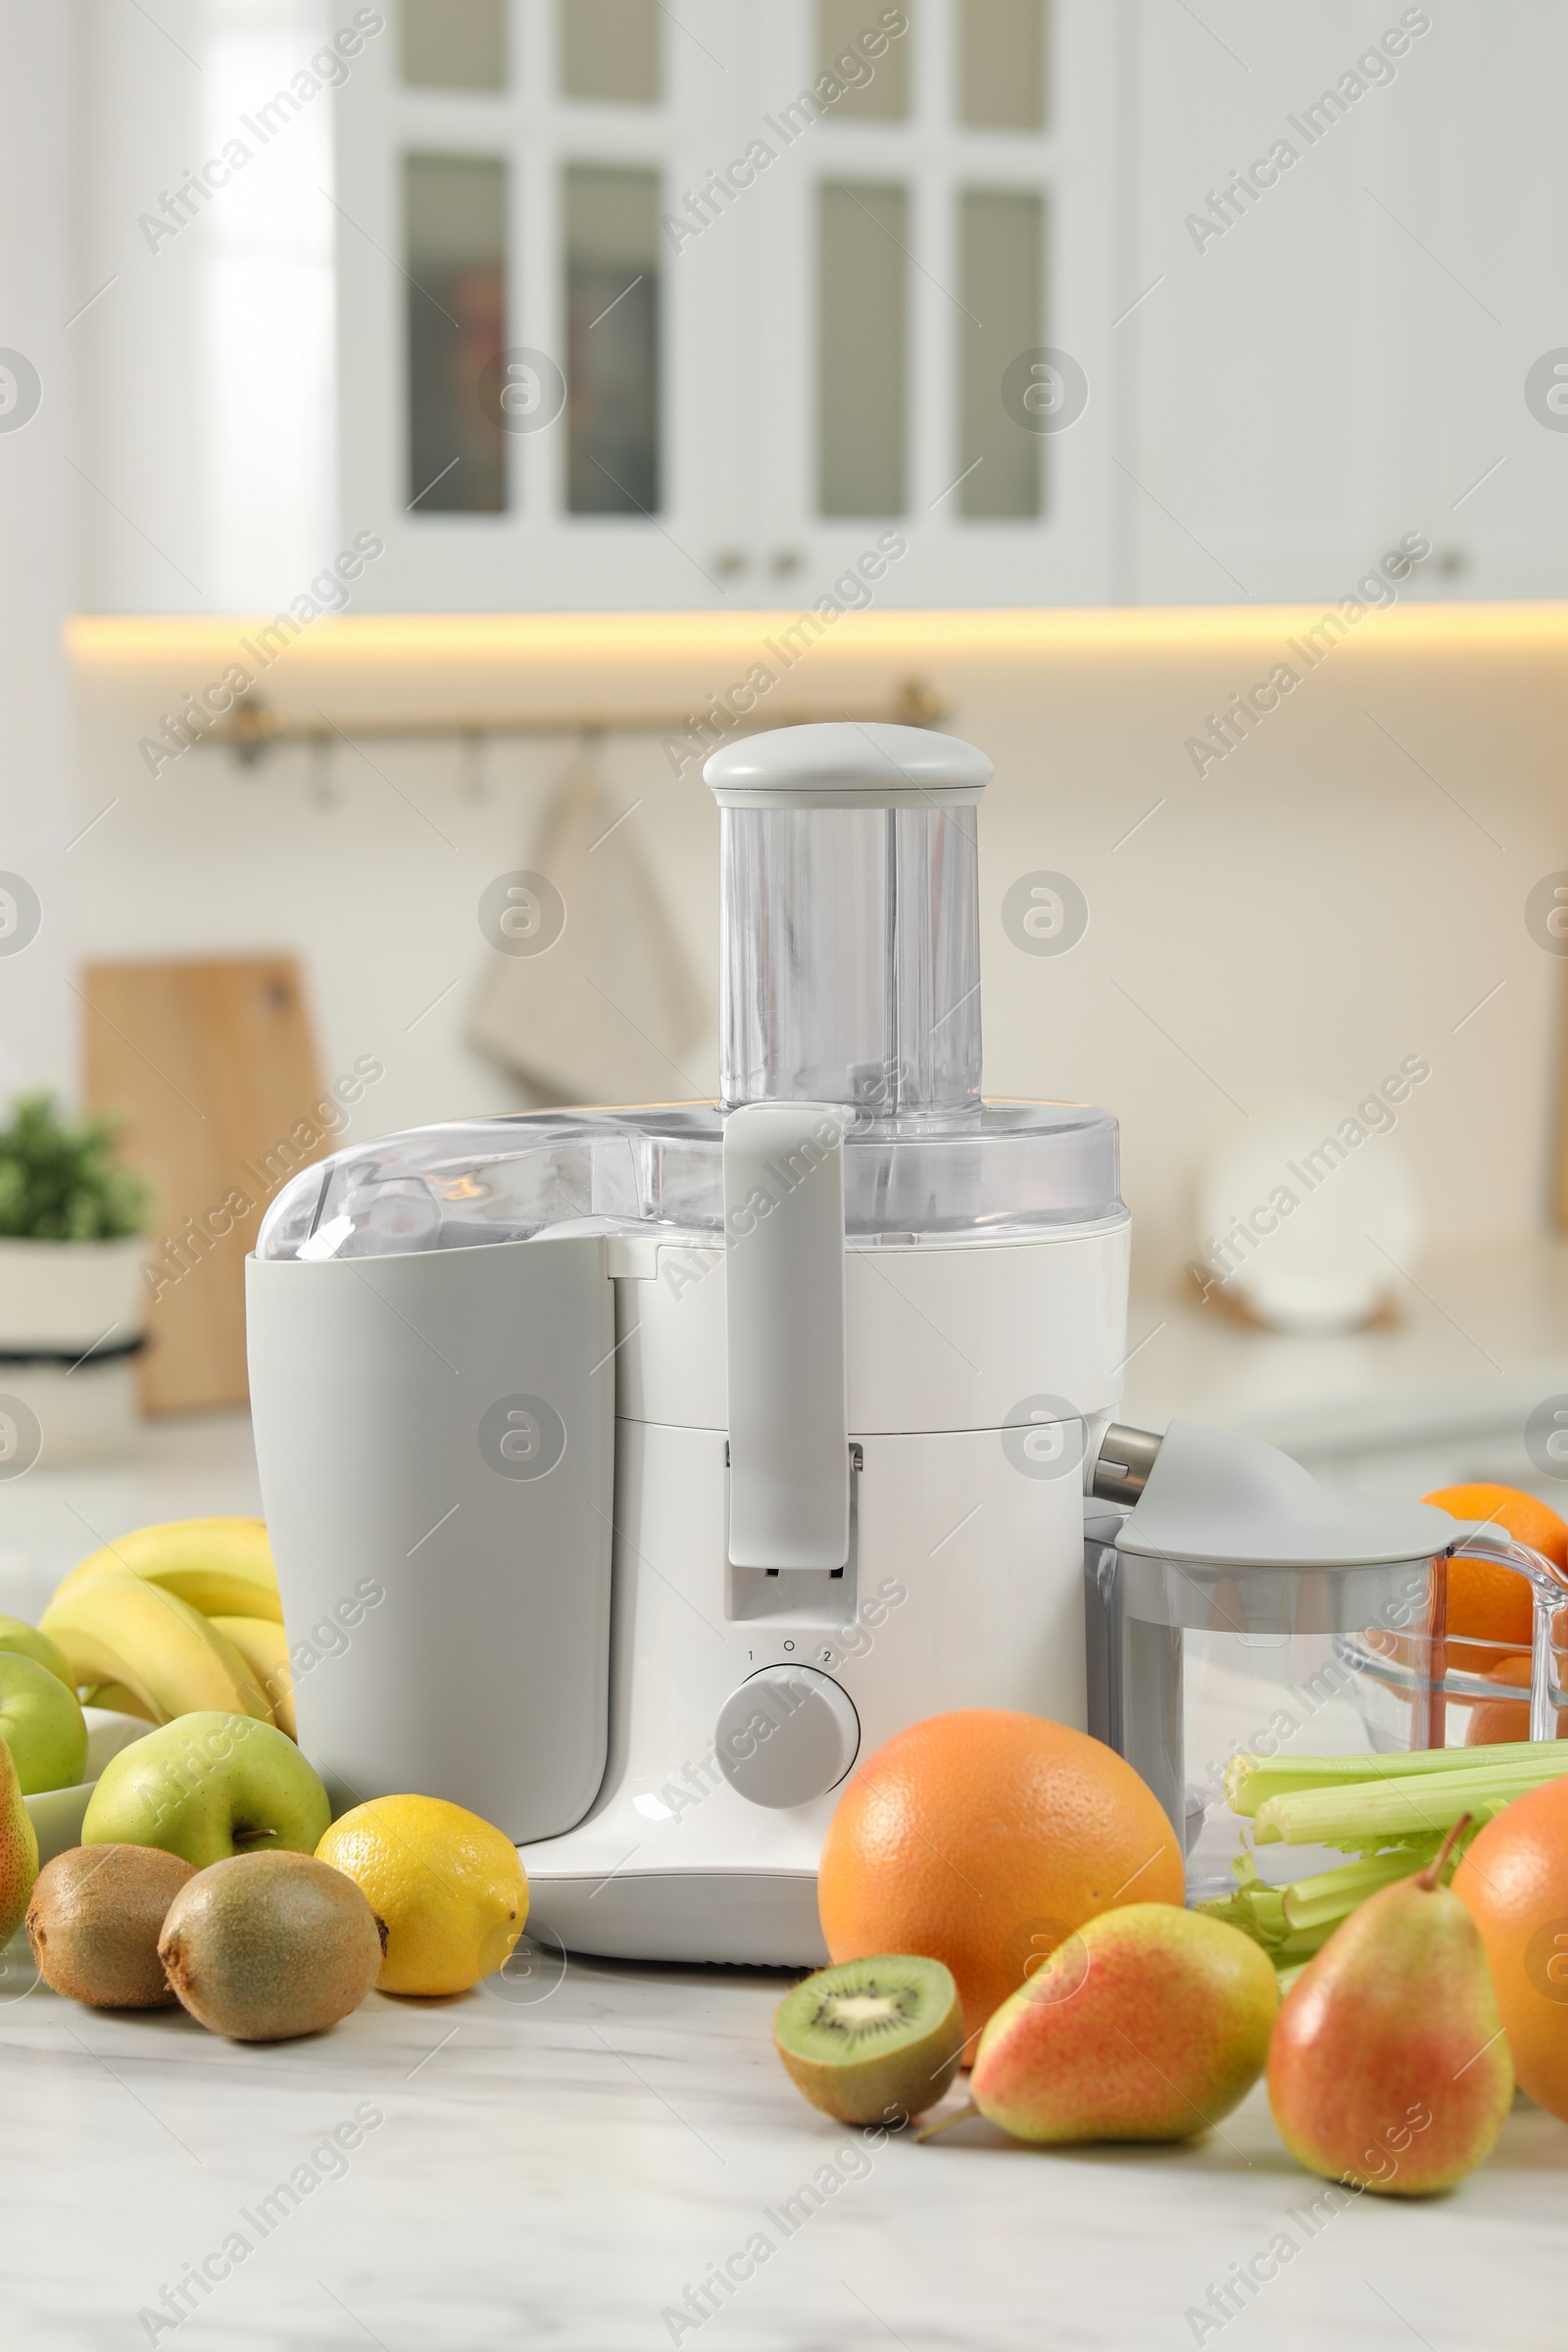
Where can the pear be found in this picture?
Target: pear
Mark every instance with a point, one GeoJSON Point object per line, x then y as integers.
{"type": "Point", "coordinates": [1388, 2067]}
{"type": "Point", "coordinates": [1147, 2023]}
{"type": "Point", "coordinates": [18, 1850]}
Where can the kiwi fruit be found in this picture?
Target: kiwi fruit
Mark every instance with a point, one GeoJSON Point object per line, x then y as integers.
{"type": "Point", "coordinates": [872, 2041]}
{"type": "Point", "coordinates": [265, 1946]}
{"type": "Point", "coordinates": [94, 1921]}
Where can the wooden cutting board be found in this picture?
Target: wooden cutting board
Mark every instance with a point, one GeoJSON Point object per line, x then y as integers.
{"type": "Point", "coordinates": [212, 1069]}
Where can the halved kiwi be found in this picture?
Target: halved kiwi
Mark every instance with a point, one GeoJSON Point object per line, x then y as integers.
{"type": "Point", "coordinates": [872, 2041]}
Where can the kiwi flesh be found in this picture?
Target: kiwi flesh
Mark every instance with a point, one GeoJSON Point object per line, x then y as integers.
{"type": "Point", "coordinates": [872, 2041]}
{"type": "Point", "coordinates": [265, 1946]}
{"type": "Point", "coordinates": [94, 1920]}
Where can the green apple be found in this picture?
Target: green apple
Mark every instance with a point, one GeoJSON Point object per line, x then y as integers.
{"type": "Point", "coordinates": [206, 1787]}
{"type": "Point", "coordinates": [41, 1724]}
{"type": "Point", "coordinates": [15, 1633]}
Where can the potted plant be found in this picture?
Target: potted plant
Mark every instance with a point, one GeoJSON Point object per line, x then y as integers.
{"type": "Point", "coordinates": [71, 1300]}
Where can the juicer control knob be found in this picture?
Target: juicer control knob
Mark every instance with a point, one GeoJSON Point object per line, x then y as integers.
{"type": "Point", "coordinates": [787, 1735]}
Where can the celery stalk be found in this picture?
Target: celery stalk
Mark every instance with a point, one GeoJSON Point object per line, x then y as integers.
{"type": "Point", "coordinates": [1259, 1912]}
{"type": "Point", "coordinates": [1373, 1813]}
{"type": "Point", "coordinates": [1292, 1922]}
{"type": "Point", "coordinates": [1252, 1779]}
{"type": "Point", "coordinates": [1389, 1810]}
{"type": "Point", "coordinates": [1329, 1895]}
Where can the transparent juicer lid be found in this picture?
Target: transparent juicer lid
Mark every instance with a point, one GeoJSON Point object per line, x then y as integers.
{"type": "Point", "coordinates": [849, 975]}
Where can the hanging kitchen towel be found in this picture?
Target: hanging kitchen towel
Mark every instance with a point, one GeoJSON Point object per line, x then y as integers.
{"type": "Point", "coordinates": [588, 991]}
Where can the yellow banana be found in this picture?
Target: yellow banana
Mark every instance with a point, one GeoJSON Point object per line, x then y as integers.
{"type": "Point", "coordinates": [264, 1645]}
{"type": "Point", "coordinates": [223, 1567]}
{"type": "Point", "coordinates": [119, 1628]}
{"type": "Point", "coordinates": [117, 1697]}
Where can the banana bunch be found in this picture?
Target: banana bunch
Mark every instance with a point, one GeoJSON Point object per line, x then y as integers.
{"type": "Point", "coordinates": [175, 1619]}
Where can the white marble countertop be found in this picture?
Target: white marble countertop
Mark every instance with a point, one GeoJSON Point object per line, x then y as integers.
{"type": "Point", "coordinates": [558, 2170]}
{"type": "Point", "coordinates": [560, 2161]}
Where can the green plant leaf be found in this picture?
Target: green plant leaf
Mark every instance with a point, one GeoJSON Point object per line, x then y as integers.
{"type": "Point", "coordinates": [62, 1179]}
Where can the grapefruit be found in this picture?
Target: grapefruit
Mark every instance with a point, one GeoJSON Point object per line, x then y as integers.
{"type": "Point", "coordinates": [983, 1838]}
{"type": "Point", "coordinates": [1487, 1602]}
{"type": "Point", "coordinates": [1513, 1879]}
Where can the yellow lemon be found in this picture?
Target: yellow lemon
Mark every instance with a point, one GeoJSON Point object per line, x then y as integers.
{"type": "Point", "coordinates": [450, 1889]}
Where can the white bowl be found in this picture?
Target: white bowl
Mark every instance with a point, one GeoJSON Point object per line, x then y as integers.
{"type": "Point", "coordinates": [57, 1814]}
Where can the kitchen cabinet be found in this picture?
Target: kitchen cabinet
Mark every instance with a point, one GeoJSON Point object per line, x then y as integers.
{"type": "Point", "coordinates": [515, 225]}
{"type": "Point", "coordinates": [604, 304]}
{"type": "Point", "coordinates": [784, 270]}
{"type": "Point", "coordinates": [987, 450]}
{"type": "Point", "coordinates": [1347, 220]}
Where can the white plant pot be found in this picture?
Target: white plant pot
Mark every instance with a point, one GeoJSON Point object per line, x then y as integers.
{"type": "Point", "coordinates": [72, 1314]}
{"type": "Point", "coordinates": [61, 1297]}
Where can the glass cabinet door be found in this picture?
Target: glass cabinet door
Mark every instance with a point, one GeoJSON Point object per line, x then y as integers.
{"type": "Point", "coordinates": [537, 400]}
{"type": "Point", "coordinates": [931, 343]}
{"type": "Point", "coordinates": [700, 307]}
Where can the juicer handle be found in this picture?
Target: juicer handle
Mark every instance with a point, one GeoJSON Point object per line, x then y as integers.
{"type": "Point", "coordinates": [789, 1415]}
{"type": "Point", "coordinates": [1549, 1593]}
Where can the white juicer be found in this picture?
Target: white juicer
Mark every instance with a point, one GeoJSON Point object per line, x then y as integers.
{"type": "Point", "coordinates": [693, 1452]}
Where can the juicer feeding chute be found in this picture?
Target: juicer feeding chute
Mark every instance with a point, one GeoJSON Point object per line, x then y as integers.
{"type": "Point", "coordinates": [850, 926]}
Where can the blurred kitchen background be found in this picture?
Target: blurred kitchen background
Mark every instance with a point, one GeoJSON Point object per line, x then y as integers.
{"type": "Point", "coordinates": [500, 385]}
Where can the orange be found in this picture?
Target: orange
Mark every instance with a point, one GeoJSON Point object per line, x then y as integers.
{"type": "Point", "coordinates": [1497, 1719]}
{"type": "Point", "coordinates": [1513, 1879]}
{"type": "Point", "coordinates": [983, 1838]}
{"type": "Point", "coordinates": [1487, 1602]}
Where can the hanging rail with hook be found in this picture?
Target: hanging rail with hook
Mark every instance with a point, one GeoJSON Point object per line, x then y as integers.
{"type": "Point", "coordinates": [253, 728]}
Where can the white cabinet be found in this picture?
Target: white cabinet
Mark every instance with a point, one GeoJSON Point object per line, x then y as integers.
{"type": "Point", "coordinates": [195, 383]}
{"type": "Point", "coordinates": [1485, 298]}
{"type": "Point", "coordinates": [517, 231]}
{"type": "Point", "coordinates": [743, 326]}
{"type": "Point", "coordinates": [1349, 220]}
{"type": "Point", "coordinates": [995, 243]}
{"type": "Point", "coordinates": [1256, 442]}
{"type": "Point", "coordinates": [740, 303]}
